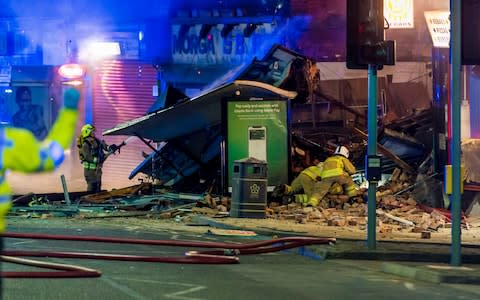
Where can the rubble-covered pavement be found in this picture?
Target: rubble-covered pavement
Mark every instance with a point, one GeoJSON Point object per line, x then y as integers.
{"type": "Point", "coordinates": [350, 244]}
{"type": "Point", "coordinates": [266, 276]}
{"type": "Point", "coordinates": [399, 216]}
{"type": "Point", "coordinates": [407, 232]}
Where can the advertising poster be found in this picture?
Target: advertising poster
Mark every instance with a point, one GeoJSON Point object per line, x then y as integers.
{"type": "Point", "coordinates": [259, 129]}
{"type": "Point", "coordinates": [28, 107]}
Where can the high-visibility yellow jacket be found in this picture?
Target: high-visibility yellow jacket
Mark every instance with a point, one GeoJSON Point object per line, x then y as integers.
{"type": "Point", "coordinates": [337, 165]}
{"type": "Point", "coordinates": [21, 151]}
{"type": "Point", "coordinates": [314, 172]}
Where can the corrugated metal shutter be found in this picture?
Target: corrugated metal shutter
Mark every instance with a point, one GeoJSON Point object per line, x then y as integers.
{"type": "Point", "coordinates": [122, 90]}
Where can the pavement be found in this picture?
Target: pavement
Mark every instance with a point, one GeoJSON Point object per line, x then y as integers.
{"type": "Point", "coordinates": [434, 273]}
{"type": "Point", "coordinates": [418, 260]}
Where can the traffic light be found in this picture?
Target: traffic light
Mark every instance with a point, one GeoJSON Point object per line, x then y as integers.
{"type": "Point", "coordinates": [382, 53]}
{"type": "Point", "coordinates": [365, 35]}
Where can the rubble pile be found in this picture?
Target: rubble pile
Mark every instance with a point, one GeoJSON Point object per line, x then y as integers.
{"type": "Point", "coordinates": [396, 210]}
{"type": "Point", "coordinates": [221, 204]}
{"type": "Point", "coordinates": [407, 216]}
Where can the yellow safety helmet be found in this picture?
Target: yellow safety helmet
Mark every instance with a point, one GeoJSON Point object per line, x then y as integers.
{"type": "Point", "coordinates": [87, 129]}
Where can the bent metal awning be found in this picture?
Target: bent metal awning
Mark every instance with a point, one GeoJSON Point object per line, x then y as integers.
{"type": "Point", "coordinates": [198, 113]}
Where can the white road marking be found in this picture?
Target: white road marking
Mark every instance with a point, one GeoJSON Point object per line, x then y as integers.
{"type": "Point", "coordinates": [410, 286]}
{"type": "Point", "coordinates": [181, 295]}
{"type": "Point", "coordinates": [22, 242]}
{"type": "Point", "coordinates": [131, 293]}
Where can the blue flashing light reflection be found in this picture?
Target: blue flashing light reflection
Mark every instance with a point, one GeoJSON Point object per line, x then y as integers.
{"type": "Point", "coordinates": [140, 35]}
{"type": "Point", "coordinates": [437, 93]}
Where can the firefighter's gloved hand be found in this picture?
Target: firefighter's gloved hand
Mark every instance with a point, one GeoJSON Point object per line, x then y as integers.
{"type": "Point", "coordinates": [71, 98]}
{"type": "Point", "coordinates": [113, 148]}
{"type": "Point", "coordinates": [278, 191]}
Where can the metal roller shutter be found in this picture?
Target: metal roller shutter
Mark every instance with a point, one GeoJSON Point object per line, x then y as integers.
{"type": "Point", "coordinates": [122, 90]}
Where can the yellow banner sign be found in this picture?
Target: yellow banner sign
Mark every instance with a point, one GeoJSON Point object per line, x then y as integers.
{"type": "Point", "coordinates": [398, 13]}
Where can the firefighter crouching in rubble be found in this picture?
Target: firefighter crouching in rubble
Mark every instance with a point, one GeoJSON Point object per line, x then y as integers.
{"type": "Point", "coordinates": [336, 173]}
{"type": "Point", "coordinates": [21, 151]}
{"type": "Point", "coordinates": [304, 187]}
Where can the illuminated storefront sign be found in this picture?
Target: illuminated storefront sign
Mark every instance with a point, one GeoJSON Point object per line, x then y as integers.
{"type": "Point", "coordinates": [399, 13]}
{"type": "Point", "coordinates": [191, 46]}
{"type": "Point", "coordinates": [439, 27]}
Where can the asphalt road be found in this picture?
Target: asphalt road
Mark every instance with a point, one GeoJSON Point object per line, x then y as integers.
{"type": "Point", "coordinates": [280, 275]}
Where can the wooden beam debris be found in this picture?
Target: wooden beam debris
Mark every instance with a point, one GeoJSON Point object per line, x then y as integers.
{"type": "Point", "coordinates": [398, 219]}
{"type": "Point", "coordinates": [143, 188]}
{"type": "Point", "coordinates": [388, 153]}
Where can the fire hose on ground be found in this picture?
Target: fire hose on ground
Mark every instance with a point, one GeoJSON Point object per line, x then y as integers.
{"type": "Point", "coordinates": [223, 253]}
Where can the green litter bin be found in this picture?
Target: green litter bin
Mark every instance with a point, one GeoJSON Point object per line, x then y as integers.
{"type": "Point", "coordinates": [249, 188]}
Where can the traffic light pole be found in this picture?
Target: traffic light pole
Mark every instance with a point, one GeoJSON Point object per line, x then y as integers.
{"type": "Point", "coordinates": [455, 34]}
{"type": "Point", "coordinates": [372, 151]}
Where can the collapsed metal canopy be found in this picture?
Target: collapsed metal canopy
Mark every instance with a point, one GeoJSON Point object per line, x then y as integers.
{"type": "Point", "coordinates": [198, 113]}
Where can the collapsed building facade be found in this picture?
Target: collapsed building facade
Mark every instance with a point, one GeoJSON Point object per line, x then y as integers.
{"type": "Point", "coordinates": [189, 150]}
{"type": "Point", "coordinates": [298, 47]}
{"type": "Point", "coordinates": [324, 113]}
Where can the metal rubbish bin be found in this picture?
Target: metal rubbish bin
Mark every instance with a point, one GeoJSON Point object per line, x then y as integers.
{"type": "Point", "coordinates": [249, 188]}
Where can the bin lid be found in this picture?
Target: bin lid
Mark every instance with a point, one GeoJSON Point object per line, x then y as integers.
{"type": "Point", "coordinates": [250, 160]}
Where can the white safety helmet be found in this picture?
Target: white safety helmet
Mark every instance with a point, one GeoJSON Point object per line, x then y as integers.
{"type": "Point", "coordinates": [342, 150]}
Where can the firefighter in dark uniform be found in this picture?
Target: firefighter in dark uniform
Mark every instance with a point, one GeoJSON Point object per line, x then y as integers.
{"type": "Point", "coordinates": [93, 153]}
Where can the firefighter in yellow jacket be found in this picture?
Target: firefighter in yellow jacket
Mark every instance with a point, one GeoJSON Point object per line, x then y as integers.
{"type": "Point", "coordinates": [337, 169]}
{"type": "Point", "coordinates": [304, 186]}
{"type": "Point", "coordinates": [21, 151]}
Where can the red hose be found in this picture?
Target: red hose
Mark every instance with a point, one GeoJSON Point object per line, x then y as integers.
{"type": "Point", "coordinates": [310, 240]}
{"type": "Point", "coordinates": [68, 271]}
{"type": "Point", "coordinates": [250, 251]}
{"type": "Point", "coordinates": [226, 256]}
{"type": "Point", "coordinates": [205, 259]}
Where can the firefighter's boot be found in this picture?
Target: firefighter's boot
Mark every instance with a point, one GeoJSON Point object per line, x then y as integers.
{"type": "Point", "coordinates": [301, 199]}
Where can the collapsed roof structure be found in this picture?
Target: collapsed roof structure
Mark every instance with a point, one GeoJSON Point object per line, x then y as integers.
{"type": "Point", "coordinates": [189, 132]}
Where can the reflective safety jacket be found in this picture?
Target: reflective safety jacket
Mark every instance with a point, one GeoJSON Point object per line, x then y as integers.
{"type": "Point", "coordinates": [92, 153]}
{"type": "Point", "coordinates": [21, 151]}
{"type": "Point", "coordinates": [337, 165]}
{"type": "Point", "coordinates": [314, 172]}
